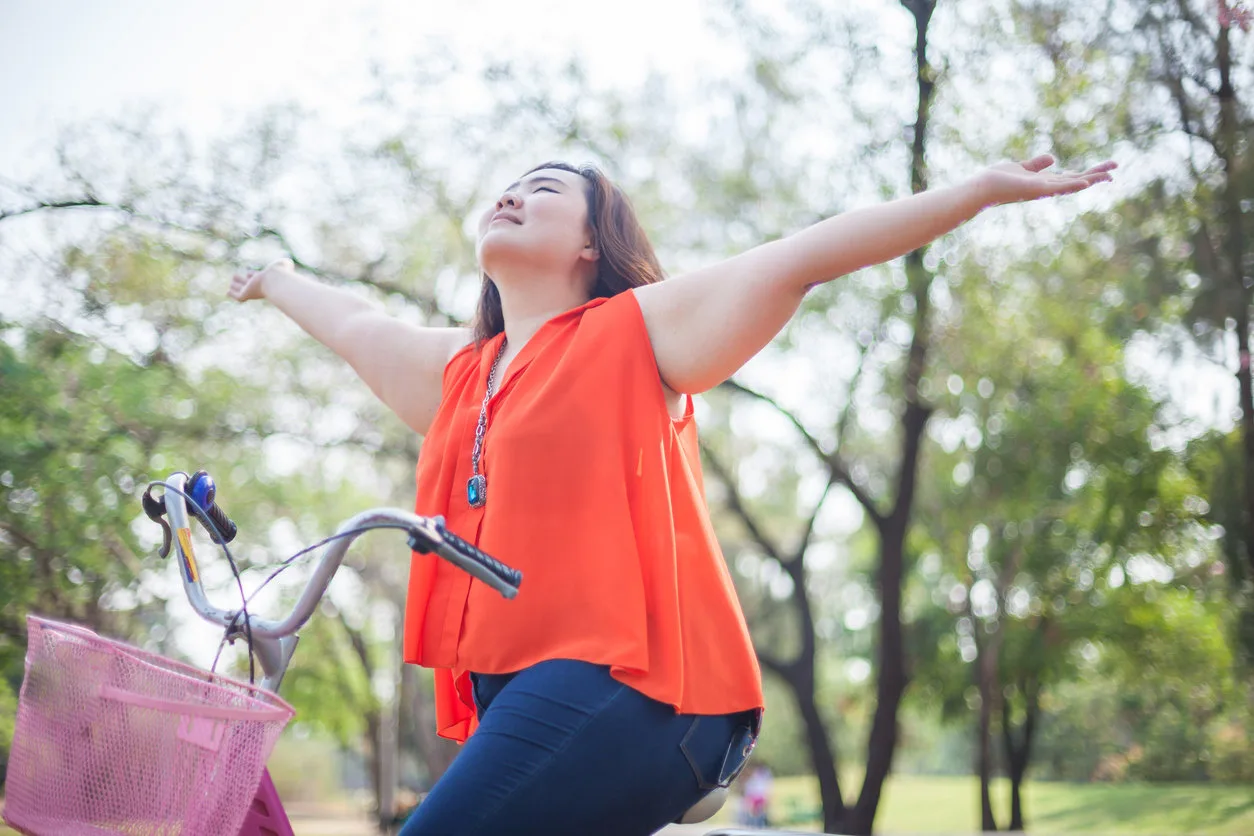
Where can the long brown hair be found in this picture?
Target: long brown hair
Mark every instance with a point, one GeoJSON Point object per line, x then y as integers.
{"type": "Point", "coordinates": [627, 258]}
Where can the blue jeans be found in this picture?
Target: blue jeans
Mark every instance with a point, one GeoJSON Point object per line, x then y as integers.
{"type": "Point", "coordinates": [563, 748]}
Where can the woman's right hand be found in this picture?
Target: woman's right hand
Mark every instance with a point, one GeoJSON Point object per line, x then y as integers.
{"type": "Point", "coordinates": [251, 285]}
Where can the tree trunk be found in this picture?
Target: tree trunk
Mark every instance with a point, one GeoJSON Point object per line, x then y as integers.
{"type": "Point", "coordinates": [893, 677]}
{"type": "Point", "coordinates": [822, 757]}
{"type": "Point", "coordinates": [432, 753]}
{"type": "Point", "coordinates": [986, 681]}
{"type": "Point", "coordinates": [370, 742]}
{"type": "Point", "coordinates": [892, 673]}
{"type": "Point", "coordinates": [800, 677]}
{"type": "Point", "coordinates": [1019, 755]}
{"type": "Point", "coordinates": [374, 720]}
{"type": "Point", "coordinates": [1229, 147]}
{"type": "Point", "coordinates": [797, 673]}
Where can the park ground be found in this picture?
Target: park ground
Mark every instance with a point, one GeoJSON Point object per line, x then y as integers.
{"type": "Point", "coordinates": [947, 806]}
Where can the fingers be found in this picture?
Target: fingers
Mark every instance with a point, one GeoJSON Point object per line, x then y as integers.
{"type": "Point", "coordinates": [1071, 185]}
{"type": "Point", "coordinates": [1069, 182]}
{"type": "Point", "coordinates": [1097, 173]}
{"type": "Point", "coordinates": [241, 284]}
{"type": "Point", "coordinates": [246, 286]}
{"type": "Point", "coordinates": [1014, 182]}
{"type": "Point", "coordinates": [1039, 163]}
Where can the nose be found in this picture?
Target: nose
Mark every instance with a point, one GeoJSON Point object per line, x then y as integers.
{"type": "Point", "coordinates": [510, 199]}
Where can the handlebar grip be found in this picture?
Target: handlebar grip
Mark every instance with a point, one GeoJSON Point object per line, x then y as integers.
{"type": "Point", "coordinates": [509, 575]}
{"type": "Point", "coordinates": [224, 523]}
{"type": "Point", "coordinates": [504, 579]}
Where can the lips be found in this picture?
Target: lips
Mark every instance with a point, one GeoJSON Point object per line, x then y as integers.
{"type": "Point", "coordinates": [504, 216]}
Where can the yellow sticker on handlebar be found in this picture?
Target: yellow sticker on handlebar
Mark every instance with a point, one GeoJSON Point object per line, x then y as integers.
{"type": "Point", "coordinates": [189, 559]}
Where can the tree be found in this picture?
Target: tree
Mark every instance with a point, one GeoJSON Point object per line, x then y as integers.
{"type": "Point", "coordinates": [886, 499]}
{"type": "Point", "coordinates": [1184, 75]}
{"type": "Point", "coordinates": [130, 366]}
{"type": "Point", "coordinates": [82, 430]}
{"type": "Point", "coordinates": [1051, 489]}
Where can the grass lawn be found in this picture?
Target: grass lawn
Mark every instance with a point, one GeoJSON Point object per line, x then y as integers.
{"type": "Point", "coordinates": [950, 805]}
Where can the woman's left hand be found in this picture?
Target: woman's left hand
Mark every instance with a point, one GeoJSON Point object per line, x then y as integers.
{"type": "Point", "coordinates": [1016, 182]}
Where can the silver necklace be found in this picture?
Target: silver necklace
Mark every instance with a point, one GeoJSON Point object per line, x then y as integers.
{"type": "Point", "coordinates": [477, 485]}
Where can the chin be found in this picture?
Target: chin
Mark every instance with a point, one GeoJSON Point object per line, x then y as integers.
{"type": "Point", "coordinates": [496, 248]}
{"type": "Point", "coordinates": [492, 252]}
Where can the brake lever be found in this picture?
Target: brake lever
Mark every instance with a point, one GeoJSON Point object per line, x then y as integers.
{"type": "Point", "coordinates": [155, 509]}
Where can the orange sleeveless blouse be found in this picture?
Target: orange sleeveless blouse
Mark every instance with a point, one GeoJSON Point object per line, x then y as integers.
{"type": "Point", "coordinates": [596, 494]}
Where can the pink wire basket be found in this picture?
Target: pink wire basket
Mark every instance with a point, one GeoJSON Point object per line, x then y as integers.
{"type": "Point", "coordinates": [113, 739]}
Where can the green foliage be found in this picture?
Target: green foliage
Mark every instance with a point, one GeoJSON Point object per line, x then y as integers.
{"type": "Point", "coordinates": [79, 426]}
{"type": "Point", "coordinates": [1181, 244]}
{"type": "Point", "coordinates": [1215, 459]}
{"type": "Point", "coordinates": [113, 389]}
{"type": "Point", "coordinates": [8, 719]}
{"type": "Point", "coordinates": [1231, 758]}
{"type": "Point", "coordinates": [1080, 738]}
{"type": "Point", "coordinates": [1059, 522]}
{"type": "Point", "coordinates": [1153, 697]}
{"type": "Point", "coordinates": [327, 685]}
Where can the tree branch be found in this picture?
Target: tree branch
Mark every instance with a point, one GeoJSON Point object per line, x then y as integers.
{"type": "Point", "coordinates": [809, 529]}
{"type": "Point", "coordinates": [738, 506]}
{"type": "Point", "coordinates": [835, 465]}
{"type": "Point", "coordinates": [428, 305]}
{"type": "Point", "coordinates": [425, 303]}
{"type": "Point", "coordinates": [74, 203]}
{"type": "Point", "coordinates": [24, 538]}
{"type": "Point", "coordinates": [773, 663]}
{"type": "Point", "coordinates": [795, 568]}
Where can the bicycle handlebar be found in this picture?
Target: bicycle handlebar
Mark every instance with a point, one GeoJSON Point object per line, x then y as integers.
{"type": "Point", "coordinates": [426, 534]}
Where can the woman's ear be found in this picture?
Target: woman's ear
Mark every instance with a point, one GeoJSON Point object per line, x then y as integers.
{"type": "Point", "coordinates": [590, 251]}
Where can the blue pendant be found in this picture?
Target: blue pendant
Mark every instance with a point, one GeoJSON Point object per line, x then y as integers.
{"type": "Point", "coordinates": [477, 490]}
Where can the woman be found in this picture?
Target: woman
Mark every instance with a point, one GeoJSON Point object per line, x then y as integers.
{"type": "Point", "coordinates": [620, 686]}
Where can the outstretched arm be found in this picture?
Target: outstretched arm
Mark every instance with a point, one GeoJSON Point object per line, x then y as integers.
{"type": "Point", "coordinates": [705, 325]}
{"type": "Point", "coordinates": [403, 364]}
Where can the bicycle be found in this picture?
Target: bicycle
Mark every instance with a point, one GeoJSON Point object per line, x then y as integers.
{"type": "Point", "coordinates": [202, 726]}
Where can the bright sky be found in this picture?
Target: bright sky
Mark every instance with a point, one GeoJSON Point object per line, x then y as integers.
{"type": "Point", "coordinates": [67, 60]}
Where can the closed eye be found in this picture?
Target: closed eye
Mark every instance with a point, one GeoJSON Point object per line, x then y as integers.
{"type": "Point", "coordinates": [546, 189]}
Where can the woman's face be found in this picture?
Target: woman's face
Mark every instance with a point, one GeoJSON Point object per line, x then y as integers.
{"type": "Point", "coordinates": [542, 218]}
